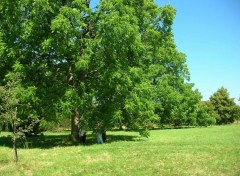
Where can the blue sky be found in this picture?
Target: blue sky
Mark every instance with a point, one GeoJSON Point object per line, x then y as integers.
{"type": "Point", "coordinates": [208, 32]}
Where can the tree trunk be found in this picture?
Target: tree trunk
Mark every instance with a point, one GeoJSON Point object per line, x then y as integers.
{"type": "Point", "coordinates": [15, 141]}
{"type": "Point", "coordinates": [88, 3]}
{"type": "Point", "coordinates": [74, 126]}
{"type": "Point", "coordinates": [15, 150]}
{"type": "Point", "coordinates": [64, 2]}
{"type": "Point", "coordinates": [99, 137]}
{"type": "Point", "coordinates": [104, 136]}
{"type": "Point", "coordinates": [75, 113]}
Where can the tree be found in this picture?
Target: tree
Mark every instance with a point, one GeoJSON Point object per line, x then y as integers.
{"type": "Point", "coordinates": [236, 112]}
{"type": "Point", "coordinates": [223, 105]}
{"type": "Point", "coordinates": [50, 39]}
{"type": "Point", "coordinates": [15, 103]}
{"type": "Point", "coordinates": [69, 40]}
{"type": "Point", "coordinates": [122, 94]}
{"type": "Point", "coordinates": [175, 99]}
{"type": "Point", "coordinates": [23, 27]}
{"type": "Point", "coordinates": [140, 75]}
{"type": "Point", "coordinates": [113, 66]}
{"type": "Point", "coordinates": [206, 115]}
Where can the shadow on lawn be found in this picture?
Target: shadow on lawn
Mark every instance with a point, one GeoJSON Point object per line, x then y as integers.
{"type": "Point", "coordinates": [50, 141]}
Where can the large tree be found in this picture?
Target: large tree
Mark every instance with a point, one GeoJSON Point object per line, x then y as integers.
{"type": "Point", "coordinates": [175, 99]}
{"type": "Point", "coordinates": [123, 90]}
{"type": "Point", "coordinates": [141, 74]}
{"type": "Point", "coordinates": [49, 39]}
{"type": "Point", "coordinates": [69, 43]}
{"type": "Point", "coordinates": [116, 65]}
{"type": "Point", "coordinates": [24, 26]}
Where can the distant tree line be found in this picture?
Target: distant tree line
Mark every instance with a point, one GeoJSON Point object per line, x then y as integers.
{"type": "Point", "coordinates": [114, 66]}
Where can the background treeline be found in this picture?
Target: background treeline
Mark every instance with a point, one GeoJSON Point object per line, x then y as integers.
{"type": "Point", "coordinates": [64, 64]}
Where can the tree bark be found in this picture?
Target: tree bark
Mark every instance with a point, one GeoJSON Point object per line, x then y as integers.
{"type": "Point", "coordinates": [74, 126]}
{"type": "Point", "coordinates": [104, 136]}
{"type": "Point", "coordinates": [15, 150]}
{"type": "Point", "coordinates": [88, 3]}
{"type": "Point", "coordinates": [64, 2]}
{"type": "Point", "coordinates": [99, 137]}
{"type": "Point", "coordinates": [75, 113]}
{"type": "Point", "coordinates": [15, 141]}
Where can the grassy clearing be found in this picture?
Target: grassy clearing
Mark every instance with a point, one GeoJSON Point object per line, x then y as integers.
{"type": "Point", "coordinates": [194, 151]}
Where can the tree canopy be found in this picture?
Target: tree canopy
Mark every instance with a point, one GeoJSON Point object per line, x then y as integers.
{"type": "Point", "coordinates": [114, 66]}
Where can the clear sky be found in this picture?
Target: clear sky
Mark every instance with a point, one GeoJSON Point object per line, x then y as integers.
{"type": "Point", "coordinates": [208, 32]}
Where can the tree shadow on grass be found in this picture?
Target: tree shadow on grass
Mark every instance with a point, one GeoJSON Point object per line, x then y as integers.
{"type": "Point", "coordinates": [40, 141]}
{"type": "Point", "coordinates": [92, 139]}
{"type": "Point", "coordinates": [61, 140]}
{"type": "Point", "coordinates": [174, 128]}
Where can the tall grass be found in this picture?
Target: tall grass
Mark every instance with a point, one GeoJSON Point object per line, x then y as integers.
{"type": "Point", "coordinates": [193, 151]}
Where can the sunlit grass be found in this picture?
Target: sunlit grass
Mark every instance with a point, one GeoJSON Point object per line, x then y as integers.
{"type": "Point", "coordinates": [194, 151]}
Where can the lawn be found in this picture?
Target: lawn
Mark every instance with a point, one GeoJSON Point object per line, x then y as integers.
{"type": "Point", "coordinates": [191, 151]}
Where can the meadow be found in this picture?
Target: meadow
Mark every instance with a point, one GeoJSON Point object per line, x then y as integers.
{"type": "Point", "coordinates": [203, 151]}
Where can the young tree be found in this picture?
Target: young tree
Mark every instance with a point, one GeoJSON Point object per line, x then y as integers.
{"type": "Point", "coordinates": [15, 103]}
{"type": "Point", "coordinates": [223, 105]}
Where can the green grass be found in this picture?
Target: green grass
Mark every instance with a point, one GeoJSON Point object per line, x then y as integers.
{"type": "Point", "coordinates": [191, 151]}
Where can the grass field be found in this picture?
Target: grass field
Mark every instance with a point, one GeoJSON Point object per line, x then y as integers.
{"type": "Point", "coordinates": [192, 151]}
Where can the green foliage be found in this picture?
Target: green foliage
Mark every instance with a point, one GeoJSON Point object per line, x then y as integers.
{"type": "Point", "coordinates": [206, 115]}
{"type": "Point", "coordinates": [116, 65]}
{"type": "Point", "coordinates": [144, 132]}
{"type": "Point", "coordinates": [15, 95]}
{"type": "Point", "coordinates": [223, 105]}
{"type": "Point", "coordinates": [236, 112]}
{"type": "Point", "coordinates": [49, 38]}
{"type": "Point", "coordinates": [15, 103]}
